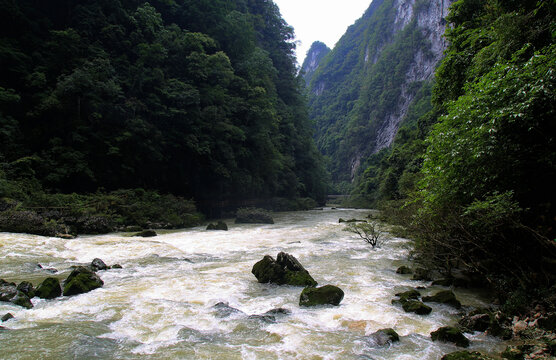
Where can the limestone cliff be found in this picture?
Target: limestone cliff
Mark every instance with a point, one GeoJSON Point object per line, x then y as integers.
{"type": "Point", "coordinates": [312, 61]}
{"type": "Point", "coordinates": [361, 91]}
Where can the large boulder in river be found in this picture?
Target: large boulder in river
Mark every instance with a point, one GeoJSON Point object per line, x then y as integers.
{"type": "Point", "coordinates": [325, 295]}
{"type": "Point", "coordinates": [10, 293]}
{"type": "Point", "coordinates": [27, 288]}
{"type": "Point", "coordinates": [416, 307]}
{"type": "Point", "coordinates": [444, 297]}
{"type": "Point", "coordinates": [253, 216]}
{"type": "Point", "coordinates": [81, 280]}
{"type": "Point", "coordinates": [49, 289]}
{"type": "Point", "coordinates": [450, 334]}
{"type": "Point", "coordinates": [285, 270]}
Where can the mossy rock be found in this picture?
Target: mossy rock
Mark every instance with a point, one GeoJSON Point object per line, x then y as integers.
{"type": "Point", "coordinates": [466, 355]}
{"type": "Point", "coordinates": [404, 270]}
{"type": "Point", "coordinates": [146, 233]}
{"type": "Point", "coordinates": [286, 270]}
{"type": "Point", "coordinates": [22, 300]}
{"type": "Point", "coordinates": [253, 216]}
{"type": "Point", "coordinates": [27, 288]}
{"type": "Point", "coordinates": [49, 289]}
{"type": "Point", "coordinates": [450, 334]}
{"type": "Point", "coordinates": [416, 307]}
{"type": "Point", "coordinates": [221, 225]}
{"type": "Point", "coordinates": [7, 317]}
{"type": "Point", "coordinates": [383, 337]}
{"type": "Point", "coordinates": [444, 297]}
{"type": "Point", "coordinates": [325, 295]}
{"type": "Point", "coordinates": [513, 353]}
{"type": "Point", "coordinates": [10, 293]}
{"type": "Point", "coordinates": [81, 280]}
{"type": "Point", "coordinates": [409, 295]}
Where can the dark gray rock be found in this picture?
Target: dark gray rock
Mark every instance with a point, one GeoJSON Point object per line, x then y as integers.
{"type": "Point", "coordinates": [286, 270]}
{"type": "Point", "coordinates": [223, 309]}
{"type": "Point", "coordinates": [416, 307]}
{"type": "Point", "coordinates": [116, 266]}
{"type": "Point", "coordinates": [10, 293]}
{"type": "Point", "coordinates": [383, 337]}
{"type": "Point", "coordinates": [146, 233]}
{"type": "Point", "coordinates": [97, 264]}
{"type": "Point", "coordinates": [7, 317]}
{"type": "Point", "coordinates": [27, 288]}
{"type": "Point", "coordinates": [325, 295]}
{"type": "Point", "coordinates": [404, 270]}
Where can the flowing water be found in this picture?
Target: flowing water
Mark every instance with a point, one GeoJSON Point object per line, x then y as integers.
{"type": "Point", "coordinates": [161, 304]}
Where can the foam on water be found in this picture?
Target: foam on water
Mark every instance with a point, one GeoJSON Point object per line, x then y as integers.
{"type": "Point", "coordinates": [160, 305]}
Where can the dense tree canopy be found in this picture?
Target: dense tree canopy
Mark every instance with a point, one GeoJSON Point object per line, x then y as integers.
{"type": "Point", "coordinates": [197, 98]}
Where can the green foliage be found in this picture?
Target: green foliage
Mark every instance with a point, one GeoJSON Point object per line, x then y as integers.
{"type": "Point", "coordinates": [195, 98]}
{"type": "Point", "coordinates": [358, 85]}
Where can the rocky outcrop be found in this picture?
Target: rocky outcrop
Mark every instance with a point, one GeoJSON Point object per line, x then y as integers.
{"type": "Point", "coordinates": [49, 289]}
{"type": "Point", "coordinates": [450, 334]}
{"type": "Point", "coordinates": [404, 270]}
{"type": "Point", "coordinates": [285, 270]}
{"type": "Point", "coordinates": [325, 295]}
{"type": "Point", "coordinates": [312, 61]}
{"type": "Point", "coordinates": [81, 280]}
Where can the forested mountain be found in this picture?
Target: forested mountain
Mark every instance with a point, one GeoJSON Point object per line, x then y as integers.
{"type": "Point", "coordinates": [198, 98]}
{"type": "Point", "coordinates": [312, 61]}
{"type": "Point", "coordinates": [363, 89]}
{"type": "Point", "coordinates": [473, 179]}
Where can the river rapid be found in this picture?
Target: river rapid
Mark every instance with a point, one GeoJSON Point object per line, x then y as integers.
{"type": "Point", "coordinates": [160, 305]}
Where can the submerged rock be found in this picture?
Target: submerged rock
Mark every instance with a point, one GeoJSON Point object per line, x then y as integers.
{"type": "Point", "coordinates": [285, 270]}
{"type": "Point", "coordinates": [278, 311]}
{"type": "Point", "coordinates": [450, 334]}
{"type": "Point", "coordinates": [383, 337]}
{"type": "Point", "coordinates": [466, 355]}
{"type": "Point", "coordinates": [221, 225]}
{"type": "Point", "coordinates": [408, 295]}
{"type": "Point", "coordinates": [325, 295]}
{"type": "Point", "coordinates": [444, 297]}
{"type": "Point", "coordinates": [269, 319]}
{"type": "Point", "coordinates": [81, 280]}
{"type": "Point", "coordinates": [97, 264]}
{"type": "Point", "coordinates": [116, 266]}
{"type": "Point", "coordinates": [49, 288]}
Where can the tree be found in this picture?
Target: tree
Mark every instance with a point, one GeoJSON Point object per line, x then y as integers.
{"type": "Point", "coordinates": [368, 231]}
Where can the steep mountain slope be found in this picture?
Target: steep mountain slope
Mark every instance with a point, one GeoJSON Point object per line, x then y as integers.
{"type": "Point", "coordinates": [197, 98]}
{"type": "Point", "coordinates": [312, 61]}
{"type": "Point", "coordinates": [362, 90]}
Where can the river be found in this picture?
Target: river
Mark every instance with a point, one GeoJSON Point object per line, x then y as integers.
{"type": "Point", "coordinates": [160, 305]}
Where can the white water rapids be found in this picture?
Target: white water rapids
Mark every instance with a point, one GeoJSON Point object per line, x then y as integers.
{"type": "Point", "coordinates": [160, 305]}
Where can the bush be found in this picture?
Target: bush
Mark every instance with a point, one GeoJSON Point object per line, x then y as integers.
{"type": "Point", "coordinates": [368, 231]}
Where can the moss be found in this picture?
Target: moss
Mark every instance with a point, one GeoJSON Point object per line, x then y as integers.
{"type": "Point", "coordinates": [409, 295]}
{"type": "Point", "coordinates": [81, 280]}
{"type": "Point", "coordinates": [299, 278]}
{"type": "Point", "coordinates": [450, 334]}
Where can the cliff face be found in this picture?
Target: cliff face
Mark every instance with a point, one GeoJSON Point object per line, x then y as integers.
{"type": "Point", "coordinates": [361, 91]}
{"type": "Point", "coordinates": [312, 61]}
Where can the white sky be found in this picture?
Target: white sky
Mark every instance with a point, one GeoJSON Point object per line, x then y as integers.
{"type": "Point", "coordinates": [323, 20]}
